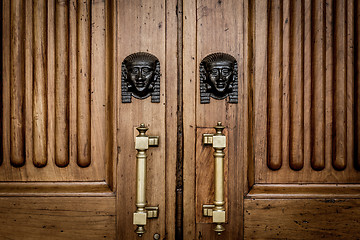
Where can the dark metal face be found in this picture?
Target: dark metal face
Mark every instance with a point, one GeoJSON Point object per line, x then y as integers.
{"type": "Point", "coordinates": [140, 77]}
{"type": "Point", "coordinates": [218, 77]}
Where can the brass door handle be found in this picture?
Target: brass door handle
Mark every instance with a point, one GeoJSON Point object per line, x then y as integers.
{"type": "Point", "coordinates": [142, 143]}
{"type": "Point", "coordinates": [217, 210]}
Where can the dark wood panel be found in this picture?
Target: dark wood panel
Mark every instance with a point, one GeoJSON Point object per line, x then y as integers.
{"type": "Point", "coordinates": [57, 218]}
{"type": "Point", "coordinates": [301, 219]}
{"type": "Point", "coordinates": [54, 92]}
{"type": "Point", "coordinates": [307, 132]}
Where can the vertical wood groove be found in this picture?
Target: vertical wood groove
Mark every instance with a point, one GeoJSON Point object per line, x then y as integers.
{"type": "Point", "coordinates": [349, 82]}
{"type": "Point", "coordinates": [318, 86]}
{"type": "Point", "coordinates": [339, 160]}
{"type": "Point", "coordinates": [357, 86]}
{"type": "Point", "coordinates": [83, 84]}
{"type": "Point", "coordinates": [40, 84]}
{"type": "Point", "coordinates": [329, 116]}
{"type": "Point", "coordinates": [320, 126]}
{"type": "Point", "coordinates": [296, 85]}
{"type": "Point", "coordinates": [274, 158]}
{"type": "Point", "coordinates": [1, 84]}
{"type": "Point", "coordinates": [61, 83]}
{"type": "Point", "coordinates": [17, 84]}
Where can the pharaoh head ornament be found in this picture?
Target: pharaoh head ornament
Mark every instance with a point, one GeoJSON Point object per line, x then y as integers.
{"type": "Point", "coordinates": [140, 77]}
{"type": "Point", "coordinates": [218, 78]}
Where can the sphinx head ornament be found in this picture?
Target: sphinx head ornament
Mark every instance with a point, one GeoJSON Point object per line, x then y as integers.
{"type": "Point", "coordinates": [140, 77]}
{"type": "Point", "coordinates": [218, 78]}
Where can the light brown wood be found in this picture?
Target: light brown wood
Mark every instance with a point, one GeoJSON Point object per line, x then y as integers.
{"type": "Point", "coordinates": [17, 88]}
{"type": "Point", "coordinates": [310, 55]}
{"type": "Point", "coordinates": [58, 218]}
{"type": "Point", "coordinates": [172, 68]}
{"type": "Point", "coordinates": [318, 90]}
{"type": "Point", "coordinates": [62, 83]}
{"type": "Point", "coordinates": [83, 84]}
{"type": "Point", "coordinates": [329, 84]}
{"type": "Point", "coordinates": [275, 86]}
{"type": "Point", "coordinates": [286, 83]}
{"type": "Point", "coordinates": [350, 83]}
{"type": "Point", "coordinates": [357, 88]}
{"type": "Point", "coordinates": [189, 83]}
{"type": "Point", "coordinates": [296, 85]}
{"type": "Point", "coordinates": [96, 171]}
{"type": "Point", "coordinates": [260, 88]}
{"type": "Point", "coordinates": [211, 27]}
{"type": "Point", "coordinates": [110, 105]}
{"type": "Point", "coordinates": [339, 162]}
{"type": "Point", "coordinates": [301, 219]}
{"type": "Point", "coordinates": [54, 189]}
{"type": "Point", "coordinates": [305, 191]}
{"type": "Point", "coordinates": [141, 27]}
{"type": "Point", "coordinates": [205, 174]}
{"type": "Point", "coordinates": [40, 84]}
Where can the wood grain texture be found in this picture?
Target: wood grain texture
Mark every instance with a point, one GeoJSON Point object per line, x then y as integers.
{"type": "Point", "coordinates": [62, 83]}
{"type": "Point", "coordinates": [306, 219]}
{"type": "Point", "coordinates": [205, 175]}
{"type": "Point", "coordinates": [318, 86]}
{"type": "Point", "coordinates": [141, 28]}
{"type": "Point", "coordinates": [110, 105]}
{"type": "Point", "coordinates": [44, 80]}
{"type": "Point", "coordinates": [173, 71]}
{"type": "Point", "coordinates": [339, 161]}
{"type": "Point", "coordinates": [216, 26]}
{"type": "Point", "coordinates": [1, 79]}
{"type": "Point", "coordinates": [296, 85]}
{"type": "Point", "coordinates": [58, 218]}
{"type": "Point", "coordinates": [54, 189]}
{"type": "Point", "coordinates": [17, 86]}
{"type": "Point", "coordinates": [304, 191]}
{"type": "Point", "coordinates": [274, 100]}
{"type": "Point", "coordinates": [357, 86]}
{"type": "Point", "coordinates": [40, 84]}
{"type": "Point", "coordinates": [318, 105]}
{"type": "Point", "coordinates": [83, 84]}
{"type": "Point", "coordinates": [350, 111]}
{"type": "Point", "coordinates": [189, 83]}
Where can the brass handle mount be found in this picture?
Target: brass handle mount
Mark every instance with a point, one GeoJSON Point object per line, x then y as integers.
{"type": "Point", "coordinates": [142, 144]}
{"type": "Point", "coordinates": [217, 210]}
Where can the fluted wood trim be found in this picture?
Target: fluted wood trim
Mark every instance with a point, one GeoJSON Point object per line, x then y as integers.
{"type": "Point", "coordinates": [62, 83]}
{"type": "Point", "coordinates": [83, 84]}
{"type": "Point", "coordinates": [17, 83]}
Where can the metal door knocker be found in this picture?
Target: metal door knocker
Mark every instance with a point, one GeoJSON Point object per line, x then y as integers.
{"type": "Point", "coordinates": [218, 78]}
{"type": "Point", "coordinates": [140, 77]}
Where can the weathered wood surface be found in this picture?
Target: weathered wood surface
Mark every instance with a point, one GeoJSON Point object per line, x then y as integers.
{"type": "Point", "coordinates": [57, 218]}
{"type": "Point", "coordinates": [301, 219]}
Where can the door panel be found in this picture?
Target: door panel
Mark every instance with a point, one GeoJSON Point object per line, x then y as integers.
{"type": "Point", "coordinates": [68, 157]}
{"type": "Point", "coordinates": [58, 218]}
{"type": "Point", "coordinates": [151, 27]}
{"type": "Point", "coordinates": [303, 172]}
{"type": "Point", "coordinates": [211, 27]}
{"type": "Point", "coordinates": [57, 168]}
{"type": "Point", "coordinates": [47, 134]}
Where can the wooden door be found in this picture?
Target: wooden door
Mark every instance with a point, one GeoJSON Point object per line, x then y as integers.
{"type": "Point", "coordinates": [68, 157]}
{"type": "Point", "coordinates": [57, 178]}
{"type": "Point", "coordinates": [303, 160]}
{"type": "Point", "coordinates": [292, 166]}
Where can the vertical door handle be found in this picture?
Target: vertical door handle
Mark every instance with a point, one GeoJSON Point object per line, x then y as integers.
{"type": "Point", "coordinates": [142, 143]}
{"type": "Point", "coordinates": [217, 210]}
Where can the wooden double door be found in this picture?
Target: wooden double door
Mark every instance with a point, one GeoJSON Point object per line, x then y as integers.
{"type": "Point", "coordinates": [68, 157]}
